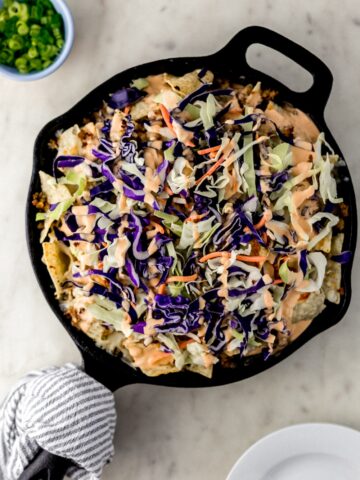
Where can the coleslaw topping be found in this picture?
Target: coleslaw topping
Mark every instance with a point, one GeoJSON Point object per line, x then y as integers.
{"type": "Point", "coordinates": [192, 220]}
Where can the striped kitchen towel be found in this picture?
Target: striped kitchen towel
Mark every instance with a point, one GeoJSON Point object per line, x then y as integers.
{"type": "Point", "coordinates": [63, 411]}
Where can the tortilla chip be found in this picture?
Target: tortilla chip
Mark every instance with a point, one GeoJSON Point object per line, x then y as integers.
{"type": "Point", "coordinates": [309, 308]}
{"type": "Point", "coordinates": [337, 244]}
{"type": "Point", "coordinates": [325, 244]}
{"type": "Point", "coordinates": [205, 371]}
{"type": "Point", "coordinates": [82, 319]}
{"type": "Point", "coordinates": [57, 262]}
{"type": "Point", "coordinates": [109, 342]}
{"type": "Point", "coordinates": [159, 370]}
{"type": "Point", "coordinates": [292, 119]}
{"type": "Point", "coordinates": [69, 141]}
{"type": "Point", "coordinates": [113, 343]}
{"type": "Point", "coordinates": [188, 83]}
{"type": "Point", "coordinates": [251, 351]}
{"type": "Point", "coordinates": [141, 109]}
{"type": "Point", "coordinates": [55, 192]}
{"type": "Point", "coordinates": [332, 281]}
{"type": "Point", "coordinates": [160, 83]}
{"type": "Point", "coordinates": [297, 329]}
{"type": "Point", "coordinates": [148, 358]}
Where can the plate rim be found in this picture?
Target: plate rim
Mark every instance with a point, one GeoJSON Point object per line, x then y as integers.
{"type": "Point", "coordinates": [283, 431]}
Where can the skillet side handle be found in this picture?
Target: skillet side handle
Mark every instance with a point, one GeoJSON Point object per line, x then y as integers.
{"type": "Point", "coordinates": [112, 373]}
{"type": "Point", "coordinates": [46, 466]}
{"type": "Point", "coordinates": [316, 97]}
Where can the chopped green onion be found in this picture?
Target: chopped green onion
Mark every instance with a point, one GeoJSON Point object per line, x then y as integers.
{"type": "Point", "coordinates": [57, 33]}
{"type": "Point", "coordinates": [22, 65]}
{"type": "Point", "coordinates": [16, 43]}
{"type": "Point", "coordinates": [35, 30]}
{"type": "Point", "coordinates": [6, 56]}
{"type": "Point", "coordinates": [31, 34]}
{"type": "Point", "coordinates": [22, 28]}
{"type": "Point", "coordinates": [33, 53]}
{"type": "Point", "coordinates": [14, 9]}
{"type": "Point", "coordinates": [56, 21]}
{"type": "Point", "coordinates": [46, 64]}
{"type": "Point", "coordinates": [36, 64]}
{"type": "Point", "coordinates": [36, 12]}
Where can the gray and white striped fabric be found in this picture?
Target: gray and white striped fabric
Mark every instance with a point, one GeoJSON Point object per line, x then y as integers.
{"type": "Point", "coordinates": [65, 412]}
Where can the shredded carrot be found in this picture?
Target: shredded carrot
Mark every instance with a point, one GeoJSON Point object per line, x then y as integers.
{"type": "Point", "coordinates": [100, 280]}
{"type": "Point", "coordinates": [260, 223]}
{"type": "Point", "coordinates": [209, 256]}
{"type": "Point", "coordinates": [241, 258]}
{"type": "Point", "coordinates": [209, 150]}
{"type": "Point", "coordinates": [251, 258]}
{"type": "Point", "coordinates": [166, 117]}
{"type": "Point", "coordinates": [162, 289]}
{"type": "Point", "coordinates": [247, 230]}
{"type": "Point", "coordinates": [195, 217]}
{"type": "Point", "coordinates": [100, 265]}
{"type": "Point", "coordinates": [185, 343]}
{"type": "Point", "coordinates": [278, 281]}
{"type": "Point", "coordinates": [212, 155]}
{"type": "Point", "coordinates": [211, 170]}
{"type": "Point", "coordinates": [182, 278]}
{"type": "Point", "coordinates": [104, 244]}
{"type": "Point", "coordinates": [127, 109]}
{"type": "Point", "coordinates": [264, 237]}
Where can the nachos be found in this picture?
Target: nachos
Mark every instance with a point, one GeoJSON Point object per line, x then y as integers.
{"type": "Point", "coordinates": [191, 220]}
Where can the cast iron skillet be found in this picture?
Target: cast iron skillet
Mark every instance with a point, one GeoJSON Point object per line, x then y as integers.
{"type": "Point", "coordinates": [229, 62]}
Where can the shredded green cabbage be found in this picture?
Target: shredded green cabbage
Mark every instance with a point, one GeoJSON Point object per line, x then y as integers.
{"type": "Point", "coordinates": [140, 83]}
{"type": "Point", "coordinates": [106, 311]}
{"type": "Point", "coordinates": [208, 111]}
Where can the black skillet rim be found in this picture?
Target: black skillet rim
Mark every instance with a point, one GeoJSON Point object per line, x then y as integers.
{"type": "Point", "coordinates": [112, 371]}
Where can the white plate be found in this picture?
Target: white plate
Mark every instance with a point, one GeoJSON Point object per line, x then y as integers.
{"type": "Point", "coordinates": [313, 451]}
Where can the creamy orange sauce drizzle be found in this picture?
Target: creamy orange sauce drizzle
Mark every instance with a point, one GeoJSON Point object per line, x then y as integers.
{"type": "Point", "coordinates": [223, 278]}
{"type": "Point", "coordinates": [148, 357]}
{"type": "Point", "coordinates": [288, 304]}
{"type": "Point", "coordinates": [301, 226]}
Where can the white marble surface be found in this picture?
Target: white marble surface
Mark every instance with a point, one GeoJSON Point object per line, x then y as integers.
{"type": "Point", "coordinates": [168, 433]}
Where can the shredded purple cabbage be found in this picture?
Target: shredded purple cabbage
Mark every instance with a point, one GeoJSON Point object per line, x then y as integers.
{"type": "Point", "coordinates": [343, 258]}
{"type": "Point", "coordinates": [124, 97]}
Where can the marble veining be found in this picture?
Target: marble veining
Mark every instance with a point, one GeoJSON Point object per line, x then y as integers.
{"type": "Point", "coordinates": [168, 433]}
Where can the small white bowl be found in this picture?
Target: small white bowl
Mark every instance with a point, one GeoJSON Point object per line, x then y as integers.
{"type": "Point", "coordinates": [62, 8]}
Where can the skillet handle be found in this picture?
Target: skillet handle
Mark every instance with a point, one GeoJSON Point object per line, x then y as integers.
{"type": "Point", "coordinates": [46, 466]}
{"type": "Point", "coordinates": [316, 97]}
